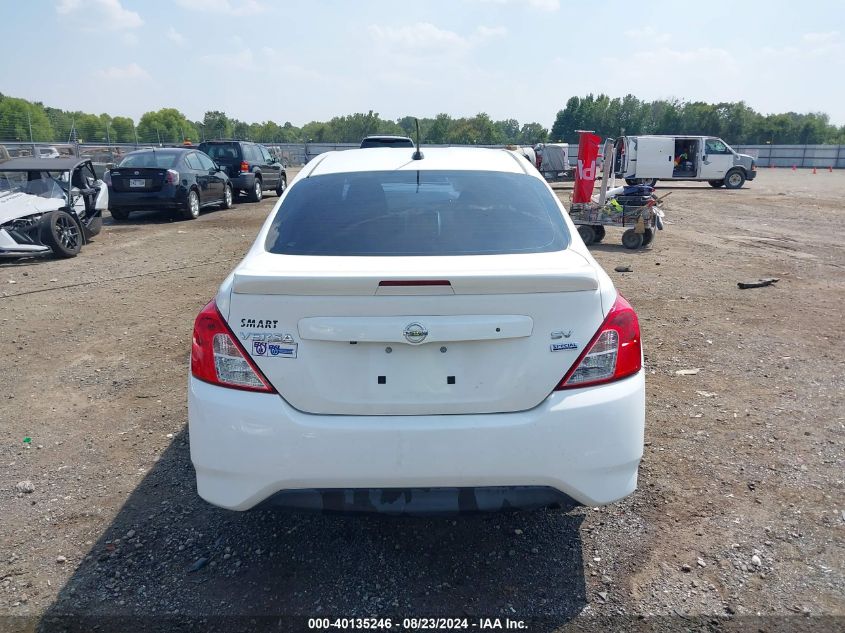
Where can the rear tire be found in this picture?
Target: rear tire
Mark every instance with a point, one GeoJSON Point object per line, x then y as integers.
{"type": "Point", "coordinates": [119, 215]}
{"type": "Point", "coordinates": [192, 206]}
{"type": "Point", "coordinates": [61, 233]}
{"type": "Point", "coordinates": [587, 233]}
{"type": "Point", "coordinates": [734, 179]}
{"type": "Point", "coordinates": [255, 194]}
{"type": "Point", "coordinates": [631, 239]}
{"type": "Point", "coordinates": [228, 198]}
{"type": "Point", "coordinates": [648, 237]}
{"type": "Point", "coordinates": [716, 183]}
{"type": "Point", "coordinates": [283, 184]}
{"type": "Point", "coordinates": [600, 233]}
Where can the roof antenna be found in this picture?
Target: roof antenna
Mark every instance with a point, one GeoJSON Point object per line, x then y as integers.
{"type": "Point", "coordinates": [418, 155]}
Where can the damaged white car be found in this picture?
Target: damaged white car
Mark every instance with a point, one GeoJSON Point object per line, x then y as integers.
{"type": "Point", "coordinates": [49, 206]}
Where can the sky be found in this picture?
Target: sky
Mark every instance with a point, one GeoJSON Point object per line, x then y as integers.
{"type": "Point", "coordinates": [301, 61]}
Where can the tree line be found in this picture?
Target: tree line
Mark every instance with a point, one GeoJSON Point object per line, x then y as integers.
{"type": "Point", "coordinates": [22, 120]}
{"type": "Point", "coordinates": [734, 122]}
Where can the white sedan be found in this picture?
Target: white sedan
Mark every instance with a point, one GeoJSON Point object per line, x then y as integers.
{"type": "Point", "coordinates": [417, 335]}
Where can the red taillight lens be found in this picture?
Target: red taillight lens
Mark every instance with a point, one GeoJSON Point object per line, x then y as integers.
{"type": "Point", "coordinates": [172, 177]}
{"type": "Point", "coordinates": [614, 352]}
{"type": "Point", "coordinates": [245, 167]}
{"type": "Point", "coordinates": [218, 358]}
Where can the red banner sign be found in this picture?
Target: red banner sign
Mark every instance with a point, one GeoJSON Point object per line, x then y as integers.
{"type": "Point", "coordinates": [585, 173]}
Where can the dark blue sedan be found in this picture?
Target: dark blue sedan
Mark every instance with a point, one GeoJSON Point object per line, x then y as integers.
{"type": "Point", "coordinates": [177, 179]}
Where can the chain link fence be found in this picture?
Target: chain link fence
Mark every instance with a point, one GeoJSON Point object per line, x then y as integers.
{"type": "Point", "coordinates": [294, 154]}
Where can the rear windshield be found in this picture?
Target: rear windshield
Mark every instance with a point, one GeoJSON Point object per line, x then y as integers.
{"type": "Point", "coordinates": [222, 151]}
{"type": "Point", "coordinates": [418, 213]}
{"type": "Point", "coordinates": [162, 160]}
{"type": "Point", "coordinates": [386, 142]}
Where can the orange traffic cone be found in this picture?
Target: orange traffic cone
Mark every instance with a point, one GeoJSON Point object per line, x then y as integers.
{"type": "Point", "coordinates": [793, 168]}
{"type": "Point", "coordinates": [814, 170]}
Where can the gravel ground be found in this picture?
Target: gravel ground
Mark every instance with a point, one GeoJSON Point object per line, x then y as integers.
{"type": "Point", "coordinates": [738, 522]}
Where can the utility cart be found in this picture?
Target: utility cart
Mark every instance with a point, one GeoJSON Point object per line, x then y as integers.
{"type": "Point", "coordinates": [640, 220]}
{"type": "Point", "coordinates": [634, 208]}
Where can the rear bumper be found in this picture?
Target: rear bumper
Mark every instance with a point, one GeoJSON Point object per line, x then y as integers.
{"type": "Point", "coordinates": [243, 181]}
{"type": "Point", "coordinates": [169, 197]}
{"type": "Point", "coordinates": [247, 447]}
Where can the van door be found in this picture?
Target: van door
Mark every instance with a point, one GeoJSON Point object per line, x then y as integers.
{"type": "Point", "coordinates": [717, 159]}
{"type": "Point", "coordinates": [655, 157]}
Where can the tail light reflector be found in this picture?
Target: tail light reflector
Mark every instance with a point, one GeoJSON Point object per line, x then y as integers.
{"type": "Point", "coordinates": [218, 358]}
{"type": "Point", "coordinates": [245, 167]}
{"type": "Point", "coordinates": [614, 352]}
{"type": "Point", "coordinates": [171, 177]}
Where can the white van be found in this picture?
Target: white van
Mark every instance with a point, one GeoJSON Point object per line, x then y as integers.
{"type": "Point", "coordinates": [647, 159]}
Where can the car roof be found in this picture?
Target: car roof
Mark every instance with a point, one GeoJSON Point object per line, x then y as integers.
{"type": "Point", "coordinates": [387, 136]}
{"type": "Point", "coordinates": [42, 164]}
{"type": "Point", "coordinates": [163, 150]}
{"type": "Point", "coordinates": [435, 159]}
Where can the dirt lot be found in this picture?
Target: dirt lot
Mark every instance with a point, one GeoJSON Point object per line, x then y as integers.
{"type": "Point", "coordinates": [740, 510]}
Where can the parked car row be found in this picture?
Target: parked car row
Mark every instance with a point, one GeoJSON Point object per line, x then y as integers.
{"type": "Point", "coordinates": [186, 180]}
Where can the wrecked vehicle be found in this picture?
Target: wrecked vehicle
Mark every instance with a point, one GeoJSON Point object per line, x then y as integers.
{"type": "Point", "coordinates": [49, 205]}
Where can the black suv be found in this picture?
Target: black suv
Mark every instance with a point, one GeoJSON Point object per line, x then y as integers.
{"type": "Point", "coordinates": [250, 166]}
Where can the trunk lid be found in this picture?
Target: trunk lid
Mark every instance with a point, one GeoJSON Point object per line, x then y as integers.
{"type": "Point", "coordinates": [444, 335]}
{"type": "Point", "coordinates": [137, 179]}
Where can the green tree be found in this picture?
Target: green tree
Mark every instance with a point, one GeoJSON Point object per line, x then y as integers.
{"type": "Point", "coordinates": [216, 125]}
{"type": "Point", "coordinates": [533, 133]}
{"type": "Point", "coordinates": [19, 116]}
{"type": "Point", "coordinates": [438, 133]}
{"type": "Point", "coordinates": [566, 122]}
{"type": "Point", "coordinates": [508, 130]}
{"type": "Point", "coordinates": [123, 130]}
{"type": "Point", "coordinates": [90, 129]}
{"type": "Point", "coordinates": [168, 125]}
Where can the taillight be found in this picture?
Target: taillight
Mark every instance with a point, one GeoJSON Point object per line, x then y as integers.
{"type": "Point", "coordinates": [171, 177]}
{"type": "Point", "coordinates": [245, 167]}
{"type": "Point", "coordinates": [218, 358]}
{"type": "Point", "coordinates": [614, 352]}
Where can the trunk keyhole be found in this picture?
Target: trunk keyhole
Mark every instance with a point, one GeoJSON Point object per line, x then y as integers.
{"type": "Point", "coordinates": [450, 380]}
{"type": "Point", "coordinates": [382, 380]}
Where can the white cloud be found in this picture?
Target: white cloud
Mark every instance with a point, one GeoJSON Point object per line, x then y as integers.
{"type": "Point", "coordinates": [647, 34]}
{"type": "Point", "coordinates": [130, 39]}
{"type": "Point", "coordinates": [226, 7]}
{"type": "Point", "coordinates": [420, 36]}
{"type": "Point", "coordinates": [831, 37]}
{"type": "Point", "coordinates": [484, 32]}
{"type": "Point", "coordinates": [670, 64]}
{"type": "Point", "coordinates": [543, 5]}
{"type": "Point", "coordinates": [425, 38]}
{"type": "Point", "coordinates": [243, 60]}
{"type": "Point", "coordinates": [175, 36]}
{"type": "Point", "coordinates": [130, 71]}
{"type": "Point", "coordinates": [108, 14]}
